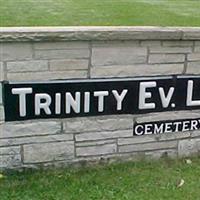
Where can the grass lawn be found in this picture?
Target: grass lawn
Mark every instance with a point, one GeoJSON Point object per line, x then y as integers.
{"type": "Point", "coordinates": [99, 12]}
{"type": "Point", "coordinates": [128, 181]}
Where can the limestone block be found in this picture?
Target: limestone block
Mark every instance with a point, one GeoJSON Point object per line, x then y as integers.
{"type": "Point", "coordinates": [11, 129]}
{"type": "Point", "coordinates": [1, 71]}
{"type": "Point", "coordinates": [148, 146]}
{"type": "Point", "coordinates": [103, 135]}
{"type": "Point", "coordinates": [177, 43]}
{"type": "Point", "coordinates": [36, 139]}
{"type": "Point", "coordinates": [107, 56]}
{"type": "Point", "coordinates": [68, 64]}
{"type": "Point", "coordinates": [61, 45]}
{"type": "Point", "coordinates": [53, 75]}
{"type": "Point", "coordinates": [48, 152]}
{"type": "Point", "coordinates": [168, 116]}
{"type": "Point", "coordinates": [136, 70]}
{"type": "Point", "coordinates": [153, 138]}
{"type": "Point", "coordinates": [197, 46]}
{"type": "Point", "coordinates": [191, 33]}
{"type": "Point", "coordinates": [2, 116]}
{"type": "Point", "coordinates": [96, 150]}
{"type": "Point", "coordinates": [15, 51]}
{"type": "Point", "coordinates": [166, 58]}
{"type": "Point", "coordinates": [188, 147]}
{"type": "Point", "coordinates": [193, 68]}
{"type": "Point", "coordinates": [194, 57]}
{"type": "Point", "coordinates": [150, 43]}
{"type": "Point", "coordinates": [136, 140]}
{"type": "Point", "coordinates": [116, 43]}
{"type": "Point", "coordinates": [10, 161]}
{"type": "Point", "coordinates": [62, 54]}
{"type": "Point", "coordinates": [1, 97]}
{"type": "Point", "coordinates": [95, 143]}
{"type": "Point", "coordinates": [170, 49]}
{"type": "Point", "coordinates": [10, 150]}
{"type": "Point", "coordinates": [27, 66]}
{"type": "Point", "coordinates": [106, 123]}
{"type": "Point", "coordinates": [197, 49]}
{"type": "Point", "coordinates": [170, 153]}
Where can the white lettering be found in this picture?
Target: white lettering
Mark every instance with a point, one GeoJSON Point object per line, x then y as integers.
{"type": "Point", "coordinates": [194, 124]}
{"type": "Point", "coordinates": [119, 98]}
{"type": "Point", "coordinates": [58, 103]}
{"type": "Point", "coordinates": [191, 102]}
{"type": "Point", "coordinates": [165, 99]}
{"type": "Point", "coordinates": [177, 124]}
{"type": "Point", "coordinates": [42, 101]}
{"type": "Point", "coordinates": [139, 127]}
{"type": "Point", "coordinates": [101, 95]}
{"type": "Point", "coordinates": [71, 102]}
{"type": "Point", "coordinates": [168, 128]}
{"type": "Point", "coordinates": [186, 126]}
{"type": "Point", "coordinates": [148, 129]}
{"type": "Point", "coordinates": [158, 129]}
{"type": "Point", "coordinates": [22, 92]}
{"type": "Point", "coordinates": [143, 95]}
{"type": "Point", "coordinates": [87, 102]}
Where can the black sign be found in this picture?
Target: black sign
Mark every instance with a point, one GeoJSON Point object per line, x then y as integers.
{"type": "Point", "coordinates": [64, 99]}
{"type": "Point", "coordinates": [159, 127]}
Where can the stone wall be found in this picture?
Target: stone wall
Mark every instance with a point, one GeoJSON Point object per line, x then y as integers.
{"type": "Point", "coordinates": [32, 54]}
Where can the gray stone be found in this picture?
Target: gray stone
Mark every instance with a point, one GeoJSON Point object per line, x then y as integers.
{"type": "Point", "coordinates": [1, 71]}
{"type": "Point", "coordinates": [162, 116]}
{"type": "Point", "coordinates": [96, 150]}
{"type": "Point", "coordinates": [194, 57]}
{"type": "Point", "coordinates": [166, 58]}
{"type": "Point", "coordinates": [136, 140]}
{"type": "Point", "coordinates": [153, 138]}
{"type": "Point", "coordinates": [10, 161]}
{"type": "Point", "coordinates": [61, 45]}
{"type": "Point", "coordinates": [136, 70]}
{"type": "Point", "coordinates": [53, 75]}
{"type": "Point", "coordinates": [103, 135]}
{"type": "Point", "coordinates": [15, 51]}
{"type": "Point", "coordinates": [197, 46]}
{"type": "Point", "coordinates": [106, 123]}
{"type": "Point", "coordinates": [95, 143]}
{"type": "Point", "coordinates": [170, 153]}
{"type": "Point", "coordinates": [191, 33]}
{"type": "Point", "coordinates": [193, 67]}
{"type": "Point", "coordinates": [195, 134]}
{"type": "Point", "coordinates": [197, 49]}
{"type": "Point", "coordinates": [150, 43]}
{"type": "Point", "coordinates": [179, 43]}
{"type": "Point", "coordinates": [116, 44]}
{"type": "Point", "coordinates": [170, 50]}
{"type": "Point", "coordinates": [62, 54]}
{"type": "Point", "coordinates": [148, 146]}
{"type": "Point", "coordinates": [96, 33]}
{"type": "Point", "coordinates": [36, 139]}
{"type": "Point", "coordinates": [68, 64]}
{"type": "Point", "coordinates": [29, 128]}
{"type": "Point", "coordinates": [188, 147]}
{"type": "Point", "coordinates": [27, 66]}
{"type": "Point", "coordinates": [2, 116]}
{"type": "Point", "coordinates": [107, 56]}
{"type": "Point", "coordinates": [1, 97]}
{"type": "Point", "coordinates": [46, 152]}
{"type": "Point", "coordinates": [10, 150]}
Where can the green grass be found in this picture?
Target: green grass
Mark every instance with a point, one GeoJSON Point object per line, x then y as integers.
{"type": "Point", "coordinates": [128, 181]}
{"type": "Point", "coordinates": [99, 12]}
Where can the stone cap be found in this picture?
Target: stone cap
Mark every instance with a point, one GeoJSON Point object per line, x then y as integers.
{"type": "Point", "coordinates": [89, 33]}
